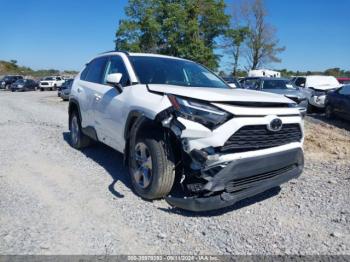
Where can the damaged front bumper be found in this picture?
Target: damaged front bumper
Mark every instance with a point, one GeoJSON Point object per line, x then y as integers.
{"type": "Point", "coordinates": [242, 178]}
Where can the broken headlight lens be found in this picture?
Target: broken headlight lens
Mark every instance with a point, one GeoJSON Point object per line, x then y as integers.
{"type": "Point", "coordinates": [205, 114]}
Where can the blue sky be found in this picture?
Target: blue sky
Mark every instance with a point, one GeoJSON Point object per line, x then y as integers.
{"type": "Point", "coordinates": [65, 34]}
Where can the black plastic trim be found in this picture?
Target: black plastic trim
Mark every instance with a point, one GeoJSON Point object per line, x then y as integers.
{"type": "Point", "coordinates": [244, 168]}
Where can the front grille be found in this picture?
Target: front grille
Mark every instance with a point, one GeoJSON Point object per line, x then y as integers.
{"type": "Point", "coordinates": [44, 83]}
{"type": "Point", "coordinates": [257, 137]}
{"type": "Point", "coordinates": [246, 182]}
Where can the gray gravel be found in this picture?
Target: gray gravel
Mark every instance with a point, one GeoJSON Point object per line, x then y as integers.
{"type": "Point", "coordinates": [57, 200]}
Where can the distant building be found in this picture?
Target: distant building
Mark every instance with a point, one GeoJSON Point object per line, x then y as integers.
{"type": "Point", "coordinates": [263, 73]}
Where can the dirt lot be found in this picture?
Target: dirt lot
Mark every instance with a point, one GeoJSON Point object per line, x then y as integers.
{"type": "Point", "coordinates": [57, 200]}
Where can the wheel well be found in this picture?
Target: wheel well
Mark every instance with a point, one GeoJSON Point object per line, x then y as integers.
{"type": "Point", "coordinates": [141, 123]}
{"type": "Point", "coordinates": [73, 107]}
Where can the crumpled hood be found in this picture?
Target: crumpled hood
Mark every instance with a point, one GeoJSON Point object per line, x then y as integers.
{"type": "Point", "coordinates": [219, 94]}
{"type": "Point", "coordinates": [325, 87]}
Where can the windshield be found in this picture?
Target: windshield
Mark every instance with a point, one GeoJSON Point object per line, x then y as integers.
{"type": "Point", "coordinates": [68, 82]}
{"type": "Point", "coordinates": [278, 84]}
{"type": "Point", "coordinates": [49, 78]}
{"type": "Point", "coordinates": [160, 70]}
{"type": "Point", "coordinates": [20, 81]}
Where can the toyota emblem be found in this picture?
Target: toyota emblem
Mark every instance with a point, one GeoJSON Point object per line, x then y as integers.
{"type": "Point", "coordinates": [275, 125]}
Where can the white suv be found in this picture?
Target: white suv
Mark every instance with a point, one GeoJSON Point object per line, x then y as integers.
{"type": "Point", "coordinates": [51, 83]}
{"type": "Point", "coordinates": [316, 88]}
{"type": "Point", "coordinates": [182, 129]}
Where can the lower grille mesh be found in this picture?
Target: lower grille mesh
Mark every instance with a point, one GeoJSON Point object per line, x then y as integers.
{"type": "Point", "coordinates": [246, 182]}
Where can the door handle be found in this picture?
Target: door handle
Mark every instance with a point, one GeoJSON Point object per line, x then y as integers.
{"type": "Point", "coordinates": [97, 97]}
{"type": "Point", "coordinates": [79, 90]}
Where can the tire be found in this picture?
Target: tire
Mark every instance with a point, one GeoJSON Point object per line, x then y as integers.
{"type": "Point", "coordinates": [41, 89]}
{"type": "Point", "coordinates": [77, 139]}
{"type": "Point", "coordinates": [161, 175]}
{"type": "Point", "coordinates": [329, 112]}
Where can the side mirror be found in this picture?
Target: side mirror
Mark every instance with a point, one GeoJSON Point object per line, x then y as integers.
{"type": "Point", "coordinates": [114, 79]}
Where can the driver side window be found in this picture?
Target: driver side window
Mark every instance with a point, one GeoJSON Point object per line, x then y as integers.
{"type": "Point", "coordinates": [116, 65]}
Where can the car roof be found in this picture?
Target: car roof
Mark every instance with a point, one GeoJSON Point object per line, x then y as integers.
{"type": "Point", "coordinates": [140, 54]}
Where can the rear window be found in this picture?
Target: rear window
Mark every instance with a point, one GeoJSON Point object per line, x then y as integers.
{"type": "Point", "coordinates": [96, 70]}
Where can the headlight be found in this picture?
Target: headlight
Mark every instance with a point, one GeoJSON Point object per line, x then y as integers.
{"type": "Point", "coordinates": [205, 114]}
{"type": "Point", "coordinates": [316, 92]}
{"type": "Point", "coordinates": [20, 86]}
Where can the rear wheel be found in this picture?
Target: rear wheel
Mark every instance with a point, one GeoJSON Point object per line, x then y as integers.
{"type": "Point", "coordinates": [151, 165]}
{"type": "Point", "coordinates": [77, 139]}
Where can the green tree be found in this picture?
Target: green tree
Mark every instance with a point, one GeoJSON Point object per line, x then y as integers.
{"type": "Point", "coordinates": [235, 39]}
{"type": "Point", "coordinates": [184, 28]}
{"type": "Point", "coordinates": [262, 44]}
{"type": "Point", "coordinates": [337, 72]}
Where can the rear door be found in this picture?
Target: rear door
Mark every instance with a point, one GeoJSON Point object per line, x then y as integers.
{"type": "Point", "coordinates": [110, 109]}
{"type": "Point", "coordinates": [87, 86]}
{"type": "Point", "coordinates": [301, 83]}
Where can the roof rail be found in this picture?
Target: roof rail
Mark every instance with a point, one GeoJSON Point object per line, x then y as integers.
{"type": "Point", "coordinates": [120, 51]}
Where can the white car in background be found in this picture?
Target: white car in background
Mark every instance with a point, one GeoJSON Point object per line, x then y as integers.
{"type": "Point", "coordinates": [51, 83]}
{"type": "Point", "coordinates": [316, 88]}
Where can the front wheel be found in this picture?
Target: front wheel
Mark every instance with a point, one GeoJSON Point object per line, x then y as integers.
{"type": "Point", "coordinates": [151, 165]}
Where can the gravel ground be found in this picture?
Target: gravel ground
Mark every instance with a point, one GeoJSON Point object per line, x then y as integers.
{"type": "Point", "coordinates": [57, 200]}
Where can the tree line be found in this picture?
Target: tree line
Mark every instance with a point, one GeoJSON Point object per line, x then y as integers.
{"type": "Point", "coordinates": [196, 29]}
{"type": "Point", "coordinates": [11, 67]}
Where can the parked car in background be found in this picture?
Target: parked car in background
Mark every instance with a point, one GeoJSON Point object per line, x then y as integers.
{"type": "Point", "coordinates": [232, 82]}
{"type": "Point", "coordinates": [65, 89]}
{"type": "Point", "coordinates": [316, 89]}
{"type": "Point", "coordinates": [338, 103]}
{"type": "Point", "coordinates": [281, 86]}
{"type": "Point", "coordinates": [8, 80]}
{"type": "Point", "coordinates": [24, 85]}
{"type": "Point", "coordinates": [51, 83]}
{"type": "Point", "coordinates": [344, 80]}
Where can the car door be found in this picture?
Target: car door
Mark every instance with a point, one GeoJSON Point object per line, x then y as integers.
{"type": "Point", "coordinates": [87, 86]}
{"type": "Point", "coordinates": [110, 107]}
{"type": "Point", "coordinates": [301, 83]}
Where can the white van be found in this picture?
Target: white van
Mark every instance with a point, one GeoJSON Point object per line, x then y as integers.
{"type": "Point", "coordinates": [263, 73]}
